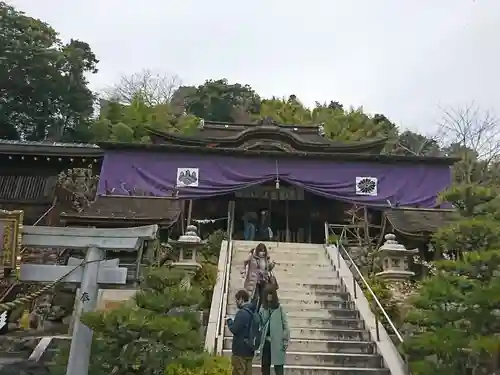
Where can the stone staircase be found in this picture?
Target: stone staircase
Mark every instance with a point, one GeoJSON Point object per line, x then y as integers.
{"type": "Point", "coordinates": [328, 337]}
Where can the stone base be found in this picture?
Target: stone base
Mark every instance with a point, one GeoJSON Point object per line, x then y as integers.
{"type": "Point", "coordinates": [395, 275]}
{"type": "Point", "coordinates": [187, 265]}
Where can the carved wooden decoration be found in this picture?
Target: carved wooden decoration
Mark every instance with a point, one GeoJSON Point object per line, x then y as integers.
{"type": "Point", "coordinates": [82, 184]}
{"type": "Point", "coordinates": [267, 121]}
{"type": "Point", "coordinates": [267, 145]}
{"type": "Point", "coordinates": [11, 225]}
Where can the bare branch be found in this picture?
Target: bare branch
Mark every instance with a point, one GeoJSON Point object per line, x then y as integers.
{"type": "Point", "coordinates": [154, 87]}
{"type": "Point", "coordinates": [472, 129]}
{"type": "Point", "coordinates": [474, 135]}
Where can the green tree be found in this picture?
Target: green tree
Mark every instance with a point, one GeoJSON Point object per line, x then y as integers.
{"type": "Point", "coordinates": [354, 125]}
{"type": "Point", "coordinates": [475, 228]}
{"type": "Point", "coordinates": [455, 323]}
{"type": "Point", "coordinates": [340, 125]}
{"type": "Point", "coordinates": [285, 111]}
{"type": "Point", "coordinates": [219, 100]}
{"type": "Point", "coordinates": [161, 330]}
{"type": "Point", "coordinates": [130, 122]}
{"type": "Point", "coordinates": [43, 89]}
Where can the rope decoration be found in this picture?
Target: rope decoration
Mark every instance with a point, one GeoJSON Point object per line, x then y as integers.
{"type": "Point", "coordinates": [8, 306]}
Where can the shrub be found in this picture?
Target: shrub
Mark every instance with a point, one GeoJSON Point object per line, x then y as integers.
{"type": "Point", "coordinates": [205, 279]}
{"type": "Point", "coordinates": [386, 298]}
{"type": "Point", "coordinates": [204, 365]}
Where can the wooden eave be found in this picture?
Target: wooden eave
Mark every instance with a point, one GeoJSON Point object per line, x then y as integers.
{"type": "Point", "coordinates": [380, 158]}
{"type": "Point", "coordinates": [54, 149]}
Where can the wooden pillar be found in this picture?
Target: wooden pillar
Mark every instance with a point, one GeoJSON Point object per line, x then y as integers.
{"type": "Point", "coordinates": [366, 229]}
{"type": "Point", "coordinates": [190, 212]}
{"type": "Point", "coordinates": [286, 222]}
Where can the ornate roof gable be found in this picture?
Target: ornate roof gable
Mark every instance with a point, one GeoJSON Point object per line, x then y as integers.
{"type": "Point", "coordinates": [266, 134]}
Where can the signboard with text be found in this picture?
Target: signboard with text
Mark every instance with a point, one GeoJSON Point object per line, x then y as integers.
{"type": "Point", "coordinates": [11, 224]}
{"type": "Point", "coordinates": [285, 193]}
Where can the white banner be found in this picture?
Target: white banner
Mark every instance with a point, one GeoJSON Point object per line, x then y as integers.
{"type": "Point", "coordinates": [188, 177]}
{"type": "Point", "coordinates": [367, 186]}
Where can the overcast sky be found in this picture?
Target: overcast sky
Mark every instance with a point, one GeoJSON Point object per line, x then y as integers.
{"type": "Point", "coordinates": [403, 58]}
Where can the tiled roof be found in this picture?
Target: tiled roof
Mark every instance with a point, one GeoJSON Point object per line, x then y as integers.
{"type": "Point", "coordinates": [49, 148]}
{"type": "Point", "coordinates": [164, 211]}
{"type": "Point", "coordinates": [419, 220]}
{"type": "Point", "coordinates": [46, 143]}
{"type": "Point", "coordinates": [236, 136]}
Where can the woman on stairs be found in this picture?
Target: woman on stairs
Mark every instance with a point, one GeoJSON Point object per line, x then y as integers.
{"type": "Point", "coordinates": [257, 270]}
{"type": "Point", "coordinates": [275, 333]}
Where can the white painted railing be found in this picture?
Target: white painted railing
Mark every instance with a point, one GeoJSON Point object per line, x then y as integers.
{"type": "Point", "coordinates": [215, 329]}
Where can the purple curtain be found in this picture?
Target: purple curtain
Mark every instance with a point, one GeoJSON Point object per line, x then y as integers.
{"type": "Point", "coordinates": [406, 184]}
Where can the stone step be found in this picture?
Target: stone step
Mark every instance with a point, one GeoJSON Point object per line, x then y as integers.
{"type": "Point", "coordinates": [304, 294]}
{"type": "Point", "coordinates": [305, 273]}
{"type": "Point", "coordinates": [290, 261]}
{"type": "Point", "coordinates": [298, 267]}
{"type": "Point", "coordinates": [309, 313]}
{"type": "Point", "coordinates": [323, 370]}
{"type": "Point", "coordinates": [366, 347]}
{"type": "Point", "coordinates": [281, 249]}
{"type": "Point", "coordinates": [356, 360]}
{"type": "Point", "coordinates": [319, 254]}
{"type": "Point", "coordinates": [315, 287]}
{"type": "Point", "coordinates": [322, 334]}
{"type": "Point", "coordinates": [304, 253]}
{"type": "Point", "coordinates": [328, 323]}
{"type": "Point", "coordinates": [276, 245]}
{"type": "Point", "coordinates": [242, 255]}
{"type": "Point", "coordinates": [328, 279]}
{"type": "Point", "coordinates": [311, 273]}
{"type": "Point", "coordinates": [292, 304]}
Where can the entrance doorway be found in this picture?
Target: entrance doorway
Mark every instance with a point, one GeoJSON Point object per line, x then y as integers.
{"type": "Point", "coordinates": [286, 206]}
{"type": "Point", "coordinates": [295, 215]}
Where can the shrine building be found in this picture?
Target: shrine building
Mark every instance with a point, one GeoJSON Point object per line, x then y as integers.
{"type": "Point", "coordinates": [293, 171]}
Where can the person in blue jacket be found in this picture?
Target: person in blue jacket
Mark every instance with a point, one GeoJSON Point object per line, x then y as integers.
{"type": "Point", "coordinates": [249, 226]}
{"type": "Point", "coordinates": [242, 351]}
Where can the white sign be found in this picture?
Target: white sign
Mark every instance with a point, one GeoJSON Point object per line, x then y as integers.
{"type": "Point", "coordinates": [367, 186]}
{"type": "Point", "coordinates": [3, 319]}
{"type": "Point", "coordinates": [285, 193]}
{"type": "Point", "coordinates": [188, 177]}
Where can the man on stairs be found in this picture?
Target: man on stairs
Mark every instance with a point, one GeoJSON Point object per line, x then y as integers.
{"type": "Point", "coordinates": [242, 350]}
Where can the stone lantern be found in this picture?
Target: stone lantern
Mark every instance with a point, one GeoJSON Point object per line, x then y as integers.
{"type": "Point", "coordinates": [188, 242]}
{"type": "Point", "coordinates": [394, 258]}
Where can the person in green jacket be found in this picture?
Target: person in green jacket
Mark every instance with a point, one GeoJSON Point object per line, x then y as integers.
{"type": "Point", "coordinates": [275, 333]}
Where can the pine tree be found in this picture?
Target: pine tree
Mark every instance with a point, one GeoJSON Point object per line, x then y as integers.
{"type": "Point", "coordinates": [455, 324]}
{"type": "Point", "coordinates": [162, 329]}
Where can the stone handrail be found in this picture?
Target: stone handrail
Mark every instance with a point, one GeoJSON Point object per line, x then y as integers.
{"type": "Point", "coordinates": [392, 358]}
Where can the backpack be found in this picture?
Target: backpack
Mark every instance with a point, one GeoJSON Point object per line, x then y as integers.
{"type": "Point", "coordinates": [255, 328]}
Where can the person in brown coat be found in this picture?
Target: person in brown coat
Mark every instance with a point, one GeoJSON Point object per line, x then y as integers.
{"type": "Point", "coordinates": [257, 270]}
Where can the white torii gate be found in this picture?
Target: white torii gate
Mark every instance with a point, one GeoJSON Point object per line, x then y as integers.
{"type": "Point", "coordinates": [89, 273]}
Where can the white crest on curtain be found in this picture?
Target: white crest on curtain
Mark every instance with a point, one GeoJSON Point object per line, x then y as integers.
{"type": "Point", "coordinates": [367, 186]}
{"type": "Point", "coordinates": [188, 177]}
